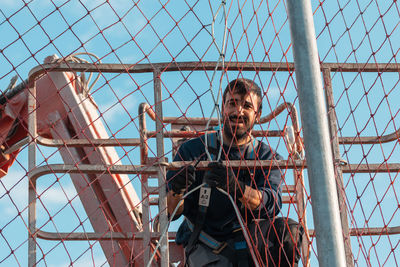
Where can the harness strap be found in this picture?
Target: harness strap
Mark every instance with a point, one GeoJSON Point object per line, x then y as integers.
{"type": "Point", "coordinates": [202, 211]}
{"type": "Point", "coordinates": [250, 154]}
{"type": "Point", "coordinates": [237, 254]}
{"type": "Point", "coordinates": [212, 143]}
{"type": "Point", "coordinates": [200, 219]}
{"type": "Point", "coordinates": [206, 238]}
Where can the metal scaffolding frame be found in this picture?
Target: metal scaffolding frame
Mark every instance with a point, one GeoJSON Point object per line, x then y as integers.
{"type": "Point", "coordinates": [147, 167]}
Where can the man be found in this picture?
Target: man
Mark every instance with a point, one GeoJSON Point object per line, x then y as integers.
{"type": "Point", "coordinates": [211, 232]}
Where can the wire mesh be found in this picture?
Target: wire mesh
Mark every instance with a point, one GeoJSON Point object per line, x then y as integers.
{"type": "Point", "coordinates": [103, 165]}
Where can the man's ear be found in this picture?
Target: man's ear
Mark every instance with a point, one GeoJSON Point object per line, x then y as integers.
{"type": "Point", "coordinates": [258, 115]}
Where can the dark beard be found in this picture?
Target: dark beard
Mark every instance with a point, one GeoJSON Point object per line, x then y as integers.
{"type": "Point", "coordinates": [238, 136]}
{"type": "Point", "coordinates": [232, 133]}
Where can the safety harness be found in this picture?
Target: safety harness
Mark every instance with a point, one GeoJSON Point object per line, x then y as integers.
{"type": "Point", "coordinates": [234, 249]}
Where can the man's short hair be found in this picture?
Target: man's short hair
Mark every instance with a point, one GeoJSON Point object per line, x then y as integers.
{"type": "Point", "coordinates": [243, 86]}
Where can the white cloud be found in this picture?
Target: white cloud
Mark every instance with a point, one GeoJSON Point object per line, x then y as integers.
{"type": "Point", "coordinates": [11, 3]}
{"type": "Point", "coordinates": [115, 112]}
{"type": "Point", "coordinates": [129, 58]}
{"type": "Point", "coordinates": [37, 3]}
{"type": "Point", "coordinates": [99, 261]}
{"type": "Point", "coordinates": [273, 92]}
{"type": "Point", "coordinates": [86, 261]}
{"type": "Point", "coordinates": [56, 195]}
{"type": "Point", "coordinates": [86, 33]}
{"type": "Point", "coordinates": [18, 193]}
{"type": "Point", "coordinates": [17, 185]}
{"type": "Point", "coordinates": [106, 14]}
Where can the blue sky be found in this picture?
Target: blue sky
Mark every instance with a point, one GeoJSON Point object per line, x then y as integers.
{"type": "Point", "coordinates": [127, 31]}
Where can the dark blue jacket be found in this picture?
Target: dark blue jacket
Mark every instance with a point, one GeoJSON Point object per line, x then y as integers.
{"type": "Point", "coordinates": [221, 219]}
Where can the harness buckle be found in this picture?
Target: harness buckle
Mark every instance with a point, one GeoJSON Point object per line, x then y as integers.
{"type": "Point", "coordinates": [220, 249]}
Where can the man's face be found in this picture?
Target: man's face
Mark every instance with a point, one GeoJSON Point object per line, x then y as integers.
{"type": "Point", "coordinates": [240, 114]}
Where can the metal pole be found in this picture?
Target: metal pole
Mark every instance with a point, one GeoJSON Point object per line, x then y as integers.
{"type": "Point", "coordinates": [32, 182]}
{"type": "Point", "coordinates": [162, 199]}
{"type": "Point", "coordinates": [338, 169]}
{"type": "Point", "coordinates": [316, 136]}
{"type": "Point", "coordinates": [145, 184]}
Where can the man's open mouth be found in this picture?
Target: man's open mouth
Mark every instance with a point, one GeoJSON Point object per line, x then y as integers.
{"type": "Point", "coordinates": [237, 120]}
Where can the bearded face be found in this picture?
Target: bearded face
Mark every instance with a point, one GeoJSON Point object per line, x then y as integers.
{"type": "Point", "coordinates": [240, 114]}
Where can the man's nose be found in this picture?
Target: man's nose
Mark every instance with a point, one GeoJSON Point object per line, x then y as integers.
{"type": "Point", "coordinates": [240, 109]}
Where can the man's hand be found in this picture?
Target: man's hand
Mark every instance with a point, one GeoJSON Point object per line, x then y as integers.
{"type": "Point", "coordinates": [183, 178]}
{"type": "Point", "coordinates": [224, 178]}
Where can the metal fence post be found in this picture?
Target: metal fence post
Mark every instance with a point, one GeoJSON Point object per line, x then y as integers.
{"type": "Point", "coordinates": [162, 200]}
{"type": "Point", "coordinates": [338, 169]}
{"type": "Point", "coordinates": [316, 135]}
{"type": "Point", "coordinates": [32, 165]}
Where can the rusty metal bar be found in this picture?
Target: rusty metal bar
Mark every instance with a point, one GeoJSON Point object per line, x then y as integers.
{"type": "Point", "coordinates": [371, 168]}
{"type": "Point", "coordinates": [301, 206]}
{"type": "Point", "coordinates": [153, 169]}
{"type": "Point", "coordinates": [99, 236]}
{"type": "Point", "coordinates": [32, 182]}
{"type": "Point", "coordinates": [207, 66]}
{"type": "Point", "coordinates": [128, 141]}
{"type": "Point", "coordinates": [162, 202]}
{"type": "Point", "coordinates": [299, 189]}
{"type": "Point", "coordinates": [293, 164]}
{"type": "Point", "coordinates": [144, 184]}
{"type": "Point", "coordinates": [395, 230]}
{"type": "Point", "coordinates": [295, 121]}
{"type": "Point", "coordinates": [173, 134]}
{"type": "Point", "coordinates": [91, 169]}
{"type": "Point", "coordinates": [202, 165]}
{"type": "Point", "coordinates": [370, 139]}
{"type": "Point", "coordinates": [213, 121]}
{"type": "Point", "coordinates": [88, 142]}
{"type": "Point", "coordinates": [190, 134]}
{"type": "Point", "coordinates": [338, 171]}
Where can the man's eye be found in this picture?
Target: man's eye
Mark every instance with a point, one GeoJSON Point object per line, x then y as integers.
{"type": "Point", "coordinates": [248, 106]}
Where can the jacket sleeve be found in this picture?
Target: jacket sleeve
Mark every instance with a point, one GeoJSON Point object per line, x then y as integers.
{"type": "Point", "coordinates": [182, 154]}
{"type": "Point", "coordinates": [269, 182]}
